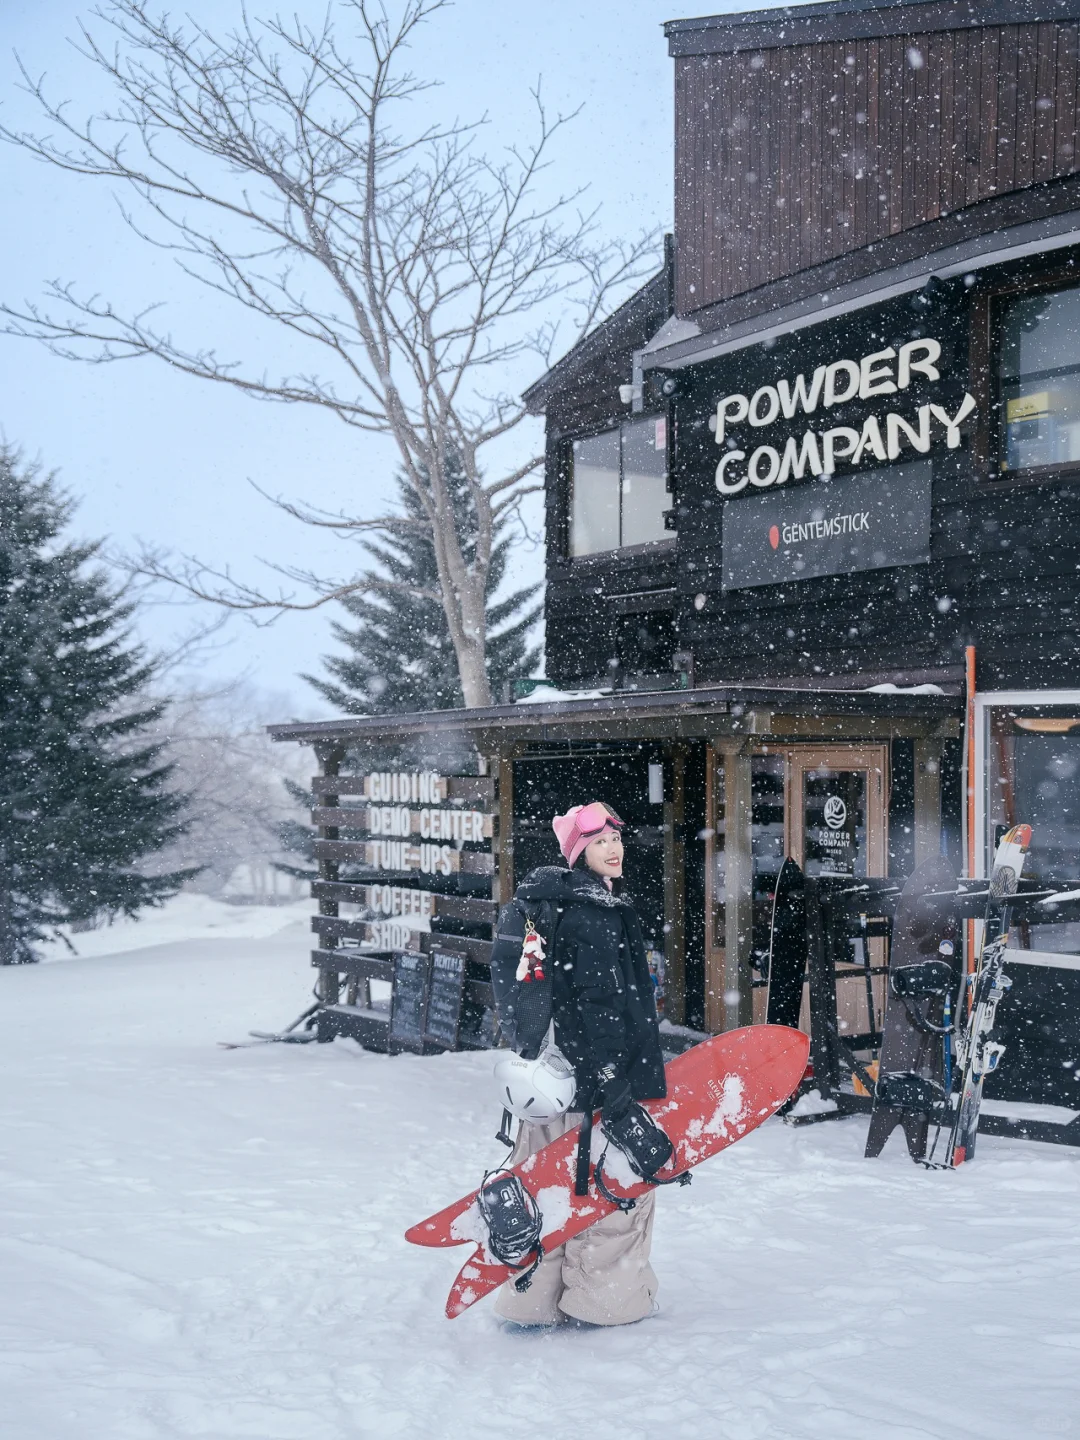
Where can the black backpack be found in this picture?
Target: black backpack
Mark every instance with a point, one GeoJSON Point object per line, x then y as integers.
{"type": "Point", "coordinates": [523, 1006]}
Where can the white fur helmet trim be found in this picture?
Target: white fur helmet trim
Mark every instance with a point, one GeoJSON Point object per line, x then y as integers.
{"type": "Point", "coordinates": [537, 1090]}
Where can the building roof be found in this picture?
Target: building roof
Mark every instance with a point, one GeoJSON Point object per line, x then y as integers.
{"type": "Point", "coordinates": [624, 331]}
{"type": "Point", "coordinates": [853, 20]}
{"type": "Point", "coordinates": [713, 709]}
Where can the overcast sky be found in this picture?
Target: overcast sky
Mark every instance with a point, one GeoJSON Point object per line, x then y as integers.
{"type": "Point", "coordinates": [153, 455]}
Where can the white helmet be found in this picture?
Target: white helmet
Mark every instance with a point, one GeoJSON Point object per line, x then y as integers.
{"type": "Point", "coordinates": [536, 1090]}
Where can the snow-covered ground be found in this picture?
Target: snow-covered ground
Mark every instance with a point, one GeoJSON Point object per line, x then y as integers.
{"type": "Point", "coordinates": [184, 917]}
{"type": "Point", "coordinates": [205, 1243]}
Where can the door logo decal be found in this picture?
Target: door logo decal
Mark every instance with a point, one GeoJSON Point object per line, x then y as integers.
{"type": "Point", "coordinates": [835, 812]}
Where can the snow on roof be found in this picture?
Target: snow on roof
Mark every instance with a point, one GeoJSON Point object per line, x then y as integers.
{"type": "Point", "coordinates": [544, 694]}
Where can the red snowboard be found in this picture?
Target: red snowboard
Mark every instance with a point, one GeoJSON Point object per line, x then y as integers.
{"type": "Point", "coordinates": [717, 1092]}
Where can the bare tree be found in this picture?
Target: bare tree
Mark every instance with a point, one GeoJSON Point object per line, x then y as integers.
{"type": "Point", "coordinates": [235, 778]}
{"type": "Point", "coordinates": [413, 269]}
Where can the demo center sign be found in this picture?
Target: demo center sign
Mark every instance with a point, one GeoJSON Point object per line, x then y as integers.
{"type": "Point", "coordinates": [836, 526]}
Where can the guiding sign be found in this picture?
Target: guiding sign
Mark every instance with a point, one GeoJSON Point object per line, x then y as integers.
{"type": "Point", "coordinates": [836, 526]}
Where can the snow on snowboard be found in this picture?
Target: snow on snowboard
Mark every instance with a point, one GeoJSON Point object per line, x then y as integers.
{"type": "Point", "coordinates": [718, 1092]}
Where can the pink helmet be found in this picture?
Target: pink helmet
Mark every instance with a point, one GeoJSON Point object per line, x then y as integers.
{"type": "Point", "coordinates": [582, 824]}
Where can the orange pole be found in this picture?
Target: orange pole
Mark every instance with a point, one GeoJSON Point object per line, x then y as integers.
{"type": "Point", "coordinates": [969, 779]}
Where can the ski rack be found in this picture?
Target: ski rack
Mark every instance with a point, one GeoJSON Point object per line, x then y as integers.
{"type": "Point", "coordinates": [840, 909]}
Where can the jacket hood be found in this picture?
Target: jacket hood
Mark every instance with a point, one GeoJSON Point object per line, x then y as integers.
{"type": "Point", "coordinates": [555, 882]}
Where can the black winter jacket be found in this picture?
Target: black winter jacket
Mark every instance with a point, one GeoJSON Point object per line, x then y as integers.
{"type": "Point", "coordinates": [602, 993]}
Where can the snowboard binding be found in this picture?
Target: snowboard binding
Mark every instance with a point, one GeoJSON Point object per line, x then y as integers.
{"type": "Point", "coordinates": [514, 1224]}
{"type": "Point", "coordinates": [915, 1094]}
{"type": "Point", "coordinates": [647, 1150]}
{"type": "Point", "coordinates": [925, 981]}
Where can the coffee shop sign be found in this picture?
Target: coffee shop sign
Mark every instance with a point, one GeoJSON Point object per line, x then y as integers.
{"type": "Point", "coordinates": [817, 452]}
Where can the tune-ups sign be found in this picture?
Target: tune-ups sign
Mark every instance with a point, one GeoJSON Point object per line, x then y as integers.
{"type": "Point", "coordinates": [849, 523]}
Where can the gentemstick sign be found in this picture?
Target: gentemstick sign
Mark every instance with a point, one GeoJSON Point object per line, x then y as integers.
{"type": "Point", "coordinates": [837, 525]}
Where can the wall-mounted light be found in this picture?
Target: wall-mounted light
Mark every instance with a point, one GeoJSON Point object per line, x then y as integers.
{"type": "Point", "coordinates": [656, 783]}
{"type": "Point", "coordinates": [1046, 725]}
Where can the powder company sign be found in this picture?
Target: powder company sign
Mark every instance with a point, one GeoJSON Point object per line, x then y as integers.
{"type": "Point", "coordinates": [887, 434]}
{"type": "Point", "coordinates": [846, 523]}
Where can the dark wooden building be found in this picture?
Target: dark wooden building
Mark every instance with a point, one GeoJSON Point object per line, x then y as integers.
{"type": "Point", "coordinates": [813, 493]}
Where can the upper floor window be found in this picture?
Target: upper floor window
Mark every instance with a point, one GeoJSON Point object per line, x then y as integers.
{"type": "Point", "coordinates": [1039, 379]}
{"type": "Point", "coordinates": [618, 487]}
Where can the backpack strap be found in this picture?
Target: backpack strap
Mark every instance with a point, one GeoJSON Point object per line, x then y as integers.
{"type": "Point", "coordinates": [584, 1151]}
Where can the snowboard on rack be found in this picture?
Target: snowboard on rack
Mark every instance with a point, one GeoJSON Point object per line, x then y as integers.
{"type": "Point", "coordinates": [787, 947]}
{"type": "Point", "coordinates": [977, 1053]}
{"type": "Point", "coordinates": [718, 1092]}
{"type": "Point", "coordinates": [914, 1077]}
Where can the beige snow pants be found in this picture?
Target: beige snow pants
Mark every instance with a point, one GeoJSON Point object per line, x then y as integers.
{"type": "Point", "coordinates": [602, 1276]}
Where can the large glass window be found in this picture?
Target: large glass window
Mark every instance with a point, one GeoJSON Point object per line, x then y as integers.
{"type": "Point", "coordinates": [1039, 379]}
{"type": "Point", "coordinates": [619, 487]}
{"type": "Point", "coordinates": [1033, 778]}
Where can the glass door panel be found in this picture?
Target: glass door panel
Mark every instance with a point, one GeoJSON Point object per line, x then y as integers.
{"type": "Point", "coordinates": [837, 827]}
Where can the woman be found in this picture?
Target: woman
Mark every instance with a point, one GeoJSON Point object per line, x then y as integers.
{"type": "Point", "coordinates": [605, 1024]}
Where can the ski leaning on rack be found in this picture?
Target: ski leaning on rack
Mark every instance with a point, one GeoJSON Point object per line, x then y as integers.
{"type": "Point", "coordinates": [978, 1055]}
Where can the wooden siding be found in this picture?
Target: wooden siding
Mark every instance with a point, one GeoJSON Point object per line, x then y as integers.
{"type": "Point", "coordinates": [589, 601]}
{"type": "Point", "coordinates": [788, 158]}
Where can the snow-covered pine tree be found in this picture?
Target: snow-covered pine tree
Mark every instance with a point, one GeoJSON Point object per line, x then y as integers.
{"type": "Point", "coordinates": [84, 799]}
{"type": "Point", "coordinates": [400, 655]}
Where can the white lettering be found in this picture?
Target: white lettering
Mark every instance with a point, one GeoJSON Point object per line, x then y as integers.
{"type": "Point", "coordinates": [796, 458]}
{"type": "Point", "coordinates": [876, 375]}
{"type": "Point", "coordinates": [831, 442]}
{"type": "Point", "coordinates": [833, 373]}
{"type": "Point", "coordinates": [764, 452]}
{"type": "Point", "coordinates": [734, 408]}
{"type": "Point", "coordinates": [931, 352]}
{"type": "Point", "coordinates": [871, 440]}
{"type": "Point", "coordinates": [772, 400]}
{"type": "Point", "coordinates": [918, 439]}
{"type": "Point", "coordinates": [722, 484]}
{"type": "Point", "coordinates": [792, 397]}
{"type": "Point", "coordinates": [952, 425]}
{"type": "Point", "coordinates": [849, 524]}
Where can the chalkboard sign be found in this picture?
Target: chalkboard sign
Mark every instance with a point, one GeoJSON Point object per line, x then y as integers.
{"type": "Point", "coordinates": [444, 999]}
{"type": "Point", "coordinates": [408, 1000]}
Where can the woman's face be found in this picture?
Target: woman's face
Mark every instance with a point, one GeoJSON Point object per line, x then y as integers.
{"type": "Point", "coordinates": [604, 855]}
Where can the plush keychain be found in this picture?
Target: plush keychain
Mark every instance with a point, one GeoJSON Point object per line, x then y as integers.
{"type": "Point", "coordinates": [531, 964]}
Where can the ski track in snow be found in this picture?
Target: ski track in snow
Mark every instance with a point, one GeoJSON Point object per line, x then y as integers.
{"type": "Point", "coordinates": [201, 1243]}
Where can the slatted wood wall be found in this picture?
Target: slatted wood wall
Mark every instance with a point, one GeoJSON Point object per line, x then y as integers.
{"type": "Point", "coordinates": [786, 158]}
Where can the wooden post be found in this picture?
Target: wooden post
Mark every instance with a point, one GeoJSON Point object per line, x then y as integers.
{"type": "Point", "coordinates": [502, 884]}
{"type": "Point", "coordinates": [675, 889]}
{"type": "Point", "coordinates": [729, 1000]}
{"type": "Point", "coordinates": [927, 799]}
{"type": "Point", "coordinates": [330, 758]}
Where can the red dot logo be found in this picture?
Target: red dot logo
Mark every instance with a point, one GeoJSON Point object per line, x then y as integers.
{"type": "Point", "coordinates": [774, 536]}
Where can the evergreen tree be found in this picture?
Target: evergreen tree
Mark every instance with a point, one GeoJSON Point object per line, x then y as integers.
{"type": "Point", "coordinates": [399, 655]}
{"type": "Point", "coordinates": [84, 797]}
